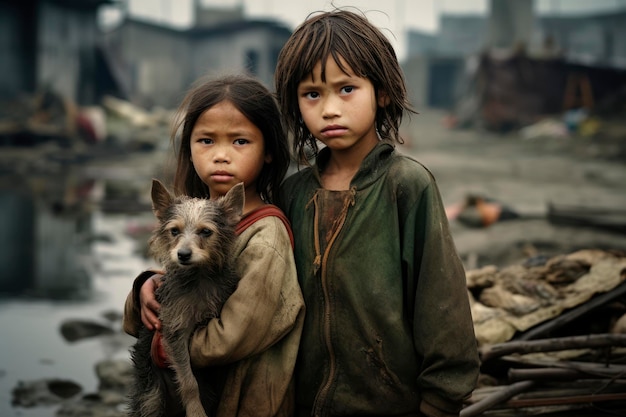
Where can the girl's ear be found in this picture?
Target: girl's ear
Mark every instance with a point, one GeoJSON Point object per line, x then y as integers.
{"type": "Point", "coordinates": [383, 98]}
{"type": "Point", "coordinates": [268, 158]}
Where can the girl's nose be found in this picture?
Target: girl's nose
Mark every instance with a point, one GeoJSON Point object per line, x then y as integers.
{"type": "Point", "coordinates": [221, 155]}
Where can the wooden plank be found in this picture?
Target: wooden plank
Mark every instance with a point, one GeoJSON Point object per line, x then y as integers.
{"type": "Point", "coordinates": [488, 352]}
{"type": "Point", "coordinates": [565, 318]}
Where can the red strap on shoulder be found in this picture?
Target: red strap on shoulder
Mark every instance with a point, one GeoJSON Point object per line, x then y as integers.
{"type": "Point", "coordinates": [264, 211]}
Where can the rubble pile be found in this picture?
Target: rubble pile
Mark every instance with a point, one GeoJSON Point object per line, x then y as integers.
{"type": "Point", "coordinates": [551, 335]}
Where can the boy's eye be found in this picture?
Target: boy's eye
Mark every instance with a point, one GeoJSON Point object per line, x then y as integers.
{"type": "Point", "coordinates": [206, 232]}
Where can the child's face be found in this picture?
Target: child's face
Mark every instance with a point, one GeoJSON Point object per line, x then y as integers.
{"type": "Point", "coordinates": [340, 112]}
{"type": "Point", "coordinates": [226, 149]}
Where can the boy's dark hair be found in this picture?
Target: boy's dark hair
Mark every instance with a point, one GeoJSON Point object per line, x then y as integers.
{"type": "Point", "coordinates": [255, 102]}
{"type": "Point", "coordinates": [345, 34]}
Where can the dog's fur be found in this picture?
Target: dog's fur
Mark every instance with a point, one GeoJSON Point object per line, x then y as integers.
{"type": "Point", "coordinates": [193, 243]}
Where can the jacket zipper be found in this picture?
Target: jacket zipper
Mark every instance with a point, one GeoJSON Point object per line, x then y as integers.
{"type": "Point", "coordinates": [321, 398]}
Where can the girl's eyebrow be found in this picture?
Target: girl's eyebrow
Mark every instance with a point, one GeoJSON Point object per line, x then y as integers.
{"type": "Point", "coordinates": [233, 133]}
{"type": "Point", "coordinates": [201, 132]}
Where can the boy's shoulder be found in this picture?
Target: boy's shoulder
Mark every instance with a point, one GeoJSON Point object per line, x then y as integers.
{"type": "Point", "coordinates": [404, 168]}
{"type": "Point", "coordinates": [301, 176]}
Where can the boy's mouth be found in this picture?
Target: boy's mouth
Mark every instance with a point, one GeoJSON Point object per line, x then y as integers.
{"type": "Point", "coordinates": [333, 131]}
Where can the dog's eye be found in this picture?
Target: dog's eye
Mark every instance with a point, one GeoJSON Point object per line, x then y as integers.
{"type": "Point", "coordinates": [174, 231]}
{"type": "Point", "coordinates": [206, 232]}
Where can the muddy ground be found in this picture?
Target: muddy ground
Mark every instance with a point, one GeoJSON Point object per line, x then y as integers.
{"type": "Point", "coordinates": [526, 175]}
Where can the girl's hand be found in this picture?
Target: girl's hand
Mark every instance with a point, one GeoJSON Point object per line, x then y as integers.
{"type": "Point", "coordinates": [148, 303]}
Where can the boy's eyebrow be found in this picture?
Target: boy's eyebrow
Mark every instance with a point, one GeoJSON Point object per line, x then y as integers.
{"type": "Point", "coordinates": [308, 82]}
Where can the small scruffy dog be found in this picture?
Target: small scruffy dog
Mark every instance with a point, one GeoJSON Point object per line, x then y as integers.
{"type": "Point", "coordinates": [193, 243]}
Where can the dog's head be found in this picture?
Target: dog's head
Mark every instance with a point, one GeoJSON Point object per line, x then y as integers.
{"type": "Point", "coordinates": [194, 232]}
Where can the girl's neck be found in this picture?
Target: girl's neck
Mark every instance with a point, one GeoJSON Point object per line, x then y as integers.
{"type": "Point", "coordinates": [253, 201]}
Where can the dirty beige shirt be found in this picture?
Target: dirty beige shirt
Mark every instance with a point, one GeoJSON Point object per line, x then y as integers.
{"type": "Point", "coordinates": [259, 327]}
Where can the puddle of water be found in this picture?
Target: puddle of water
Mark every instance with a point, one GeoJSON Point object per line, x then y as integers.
{"type": "Point", "coordinates": [31, 344]}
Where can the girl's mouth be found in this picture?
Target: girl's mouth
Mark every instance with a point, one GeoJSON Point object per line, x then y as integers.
{"type": "Point", "coordinates": [221, 176]}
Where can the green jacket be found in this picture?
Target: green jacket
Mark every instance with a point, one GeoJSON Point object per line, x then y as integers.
{"type": "Point", "coordinates": [388, 329]}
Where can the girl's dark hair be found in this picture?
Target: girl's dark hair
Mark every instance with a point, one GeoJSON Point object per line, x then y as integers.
{"type": "Point", "coordinates": [259, 106]}
{"type": "Point", "coordinates": [345, 34]}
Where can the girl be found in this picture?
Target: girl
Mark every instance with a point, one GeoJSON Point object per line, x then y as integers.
{"type": "Point", "coordinates": [232, 133]}
{"type": "Point", "coordinates": [388, 329]}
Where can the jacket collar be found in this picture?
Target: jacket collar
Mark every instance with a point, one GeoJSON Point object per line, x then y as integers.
{"type": "Point", "coordinates": [373, 166]}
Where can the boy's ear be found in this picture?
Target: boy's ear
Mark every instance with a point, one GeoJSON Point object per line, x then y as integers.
{"type": "Point", "coordinates": [383, 98]}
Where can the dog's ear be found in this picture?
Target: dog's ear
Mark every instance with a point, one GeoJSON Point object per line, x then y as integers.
{"type": "Point", "coordinates": [233, 203]}
{"type": "Point", "coordinates": [161, 198]}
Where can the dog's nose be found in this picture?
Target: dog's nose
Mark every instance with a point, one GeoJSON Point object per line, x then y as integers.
{"type": "Point", "coordinates": [184, 255]}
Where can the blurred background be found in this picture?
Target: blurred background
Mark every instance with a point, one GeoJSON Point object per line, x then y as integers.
{"type": "Point", "coordinates": [522, 119]}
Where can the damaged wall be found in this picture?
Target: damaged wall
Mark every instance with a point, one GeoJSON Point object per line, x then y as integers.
{"type": "Point", "coordinates": [516, 91]}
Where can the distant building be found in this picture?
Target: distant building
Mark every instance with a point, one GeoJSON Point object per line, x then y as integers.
{"type": "Point", "coordinates": [461, 35]}
{"type": "Point", "coordinates": [436, 63]}
{"type": "Point", "coordinates": [160, 63]}
{"type": "Point", "coordinates": [49, 43]}
{"type": "Point", "coordinates": [593, 40]}
{"type": "Point", "coordinates": [421, 43]}
{"type": "Point", "coordinates": [598, 39]}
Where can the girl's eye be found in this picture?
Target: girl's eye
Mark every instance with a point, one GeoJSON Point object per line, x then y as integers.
{"type": "Point", "coordinates": [205, 141]}
{"type": "Point", "coordinates": [206, 232]}
{"type": "Point", "coordinates": [348, 89]}
{"type": "Point", "coordinates": [311, 95]}
{"type": "Point", "coordinates": [174, 231]}
{"type": "Point", "coordinates": [241, 141]}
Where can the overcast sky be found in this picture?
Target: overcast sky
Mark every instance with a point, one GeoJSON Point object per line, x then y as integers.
{"type": "Point", "coordinates": [393, 16]}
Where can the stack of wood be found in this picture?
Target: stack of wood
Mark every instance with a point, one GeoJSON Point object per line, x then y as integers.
{"type": "Point", "coordinates": [552, 336]}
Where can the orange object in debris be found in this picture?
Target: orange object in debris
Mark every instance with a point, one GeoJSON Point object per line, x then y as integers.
{"type": "Point", "coordinates": [489, 212]}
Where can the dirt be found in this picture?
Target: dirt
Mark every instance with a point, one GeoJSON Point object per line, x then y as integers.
{"type": "Point", "coordinates": [526, 175]}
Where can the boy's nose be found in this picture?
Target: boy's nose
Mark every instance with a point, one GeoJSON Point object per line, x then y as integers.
{"type": "Point", "coordinates": [330, 108]}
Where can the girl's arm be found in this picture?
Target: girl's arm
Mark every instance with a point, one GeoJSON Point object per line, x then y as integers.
{"type": "Point", "coordinates": [141, 306]}
{"type": "Point", "coordinates": [265, 307]}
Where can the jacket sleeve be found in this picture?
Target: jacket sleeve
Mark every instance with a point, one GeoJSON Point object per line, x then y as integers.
{"type": "Point", "coordinates": [131, 320]}
{"type": "Point", "coordinates": [264, 307]}
{"type": "Point", "coordinates": [443, 328]}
